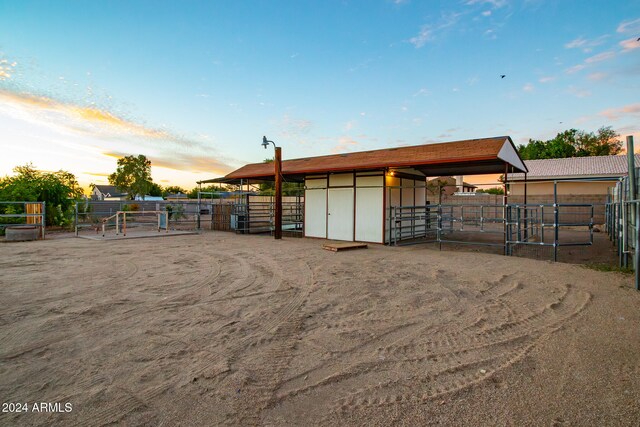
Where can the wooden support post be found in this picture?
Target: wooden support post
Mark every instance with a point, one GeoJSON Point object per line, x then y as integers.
{"type": "Point", "coordinates": [278, 176]}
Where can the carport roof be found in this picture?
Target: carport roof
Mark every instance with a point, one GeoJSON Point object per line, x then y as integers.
{"type": "Point", "coordinates": [466, 157]}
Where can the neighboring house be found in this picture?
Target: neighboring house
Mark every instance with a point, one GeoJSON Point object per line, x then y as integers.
{"type": "Point", "coordinates": [107, 192]}
{"type": "Point", "coordinates": [597, 175]}
{"type": "Point", "coordinates": [449, 186]}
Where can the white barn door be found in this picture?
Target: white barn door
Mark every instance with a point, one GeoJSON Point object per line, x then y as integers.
{"type": "Point", "coordinates": [369, 208]}
{"type": "Point", "coordinates": [340, 214]}
{"type": "Point", "coordinates": [315, 208]}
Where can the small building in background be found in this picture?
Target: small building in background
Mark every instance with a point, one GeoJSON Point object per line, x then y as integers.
{"type": "Point", "coordinates": [577, 180]}
{"type": "Point", "coordinates": [574, 176]}
{"type": "Point", "coordinates": [107, 192]}
{"type": "Point", "coordinates": [448, 185]}
{"type": "Point", "coordinates": [149, 198]}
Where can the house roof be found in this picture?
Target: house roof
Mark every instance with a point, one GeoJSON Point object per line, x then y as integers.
{"type": "Point", "coordinates": [472, 156]}
{"type": "Point", "coordinates": [576, 167]}
{"type": "Point", "coordinates": [112, 190]}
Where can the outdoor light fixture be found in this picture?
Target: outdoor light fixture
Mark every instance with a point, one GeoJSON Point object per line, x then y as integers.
{"type": "Point", "coordinates": [277, 232]}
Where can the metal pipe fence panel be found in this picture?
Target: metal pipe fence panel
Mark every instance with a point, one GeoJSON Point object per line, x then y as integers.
{"type": "Point", "coordinates": [181, 215]}
{"type": "Point", "coordinates": [517, 228]}
{"type": "Point", "coordinates": [23, 213]}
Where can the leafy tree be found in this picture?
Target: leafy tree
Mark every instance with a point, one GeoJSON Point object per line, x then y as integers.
{"type": "Point", "coordinates": [437, 187]}
{"type": "Point", "coordinates": [493, 190]}
{"type": "Point", "coordinates": [60, 191]}
{"type": "Point", "coordinates": [174, 189]}
{"type": "Point", "coordinates": [133, 175]}
{"type": "Point", "coordinates": [288, 188]}
{"type": "Point", "coordinates": [604, 143]}
{"type": "Point", "coordinates": [193, 194]}
{"type": "Point", "coordinates": [573, 143]}
{"type": "Point", "coordinates": [156, 190]}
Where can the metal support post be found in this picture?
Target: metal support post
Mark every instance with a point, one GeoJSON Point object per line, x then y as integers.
{"type": "Point", "coordinates": [636, 260]}
{"type": "Point", "coordinates": [556, 218]}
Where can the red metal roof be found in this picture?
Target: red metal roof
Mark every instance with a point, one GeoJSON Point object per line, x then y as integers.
{"type": "Point", "coordinates": [471, 150]}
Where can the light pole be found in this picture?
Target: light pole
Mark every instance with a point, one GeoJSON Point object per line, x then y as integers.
{"type": "Point", "coordinates": [278, 174]}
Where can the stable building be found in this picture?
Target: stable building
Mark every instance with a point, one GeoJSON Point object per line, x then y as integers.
{"type": "Point", "coordinates": [349, 196]}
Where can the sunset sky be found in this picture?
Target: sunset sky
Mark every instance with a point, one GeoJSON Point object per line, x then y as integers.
{"type": "Point", "coordinates": [195, 85]}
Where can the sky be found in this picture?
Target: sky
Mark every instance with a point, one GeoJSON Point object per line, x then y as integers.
{"type": "Point", "coordinates": [194, 85]}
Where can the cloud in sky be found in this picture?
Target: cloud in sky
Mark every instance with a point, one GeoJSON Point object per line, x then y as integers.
{"type": "Point", "coordinates": [629, 26]}
{"type": "Point", "coordinates": [6, 69]}
{"type": "Point", "coordinates": [546, 79]}
{"type": "Point", "coordinates": [528, 87]}
{"type": "Point", "coordinates": [291, 127]}
{"type": "Point", "coordinates": [179, 162]}
{"type": "Point", "coordinates": [632, 110]}
{"type": "Point", "coordinates": [428, 32]}
{"type": "Point", "coordinates": [494, 3]}
{"type": "Point", "coordinates": [597, 76]}
{"type": "Point", "coordinates": [630, 44]}
{"type": "Point", "coordinates": [600, 57]}
{"type": "Point", "coordinates": [579, 93]}
{"type": "Point", "coordinates": [349, 125]}
{"type": "Point", "coordinates": [344, 144]}
{"type": "Point", "coordinates": [423, 37]}
{"type": "Point", "coordinates": [87, 132]}
{"type": "Point", "coordinates": [585, 45]}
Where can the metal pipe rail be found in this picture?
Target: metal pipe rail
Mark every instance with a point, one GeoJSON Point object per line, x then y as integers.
{"type": "Point", "coordinates": [159, 215]}
{"type": "Point", "coordinates": [41, 215]}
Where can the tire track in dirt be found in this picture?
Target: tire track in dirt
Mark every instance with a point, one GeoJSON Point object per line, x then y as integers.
{"type": "Point", "coordinates": [513, 335]}
{"type": "Point", "coordinates": [280, 331]}
{"type": "Point", "coordinates": [13, 342]}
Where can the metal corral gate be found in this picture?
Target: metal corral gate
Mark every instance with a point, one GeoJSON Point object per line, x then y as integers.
{"type": "Point", "coordinates": [256, 214]}
{"type": "Point", "coordinates": [23, 213]}
{"type": "Point", "coordinates": [512, 227]}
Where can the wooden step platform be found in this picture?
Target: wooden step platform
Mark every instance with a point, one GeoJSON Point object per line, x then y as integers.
{"type": "Point", "coordinates": [338, 247]}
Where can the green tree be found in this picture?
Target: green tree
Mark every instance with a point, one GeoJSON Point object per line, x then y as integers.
{"type": "Point", "coordinates": [573, 143]}
{"type": "Point", "coordinates": [603, 143]}
{"type": "Point", "coordinates": [156, 190]}
{"type": "Point", "coordinates": [268, 188]}
{"type": "Point", "coordinates": [60, 191]}
{"type": "Point", "coordinates": [493, 190]}
{"type": "Point", "coordinates": [133, 175]}
{"type": "Point", "coordinates": [174, 189]}
{"type": "Point", "coordinates": [213, 188]}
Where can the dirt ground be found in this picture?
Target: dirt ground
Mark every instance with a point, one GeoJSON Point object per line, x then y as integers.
{"type": "Point", "coordinates": [225, 329]}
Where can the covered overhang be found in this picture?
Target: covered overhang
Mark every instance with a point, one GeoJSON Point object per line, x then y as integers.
{"type": "Point", "coordinates": [467, 157]}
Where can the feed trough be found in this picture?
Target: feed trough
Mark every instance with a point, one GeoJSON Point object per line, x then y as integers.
{"type": "Point", "coordinates": [21, 233]}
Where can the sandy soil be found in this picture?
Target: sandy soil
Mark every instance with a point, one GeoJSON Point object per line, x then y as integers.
{"type": "Point", "coordinates": [222, 329]}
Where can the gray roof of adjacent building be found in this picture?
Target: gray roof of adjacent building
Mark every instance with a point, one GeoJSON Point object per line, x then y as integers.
{"type": "Point", "coordinates": [111, 190]}
{"type": "Point", "coordinates": [576, 167]}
